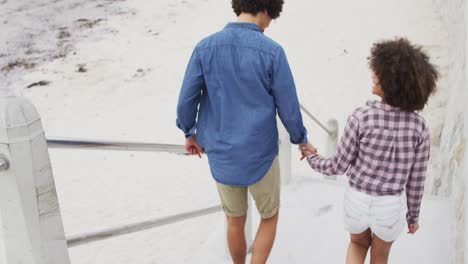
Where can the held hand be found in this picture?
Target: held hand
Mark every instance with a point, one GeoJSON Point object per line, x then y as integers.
{"type": "Point", "coordinates": [192, 147]}
{"type": "Point", "coordinates": [412, 228]}
{"type": "Point", "coordinates": [307, 149]}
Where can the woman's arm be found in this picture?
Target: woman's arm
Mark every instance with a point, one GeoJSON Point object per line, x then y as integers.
{"type": "Point", "coordinates": [346, 152]}
{"type": "Point", "coordinates": [417, 178]}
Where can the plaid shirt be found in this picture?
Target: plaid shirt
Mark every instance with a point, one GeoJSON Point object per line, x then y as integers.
{"type": "Point", "coordinates": [384, 151]}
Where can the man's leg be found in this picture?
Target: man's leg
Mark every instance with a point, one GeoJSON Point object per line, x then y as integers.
{"type": "Point", "coordinates": [264, 240]}
{"type": "Point", "coordinates": [358, 247]}
{"type": "Point", "coordinates": [234, 202]}
{"type": "Point", "coordinates": [266, 194]}
{"type": "Point", "coordinates": [236, 238]}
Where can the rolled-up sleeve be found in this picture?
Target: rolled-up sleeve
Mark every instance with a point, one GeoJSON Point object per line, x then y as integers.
{"type": "Point", "coordinates": [189, 97]}
{"type": "Point", "coordinates": [285, 95]}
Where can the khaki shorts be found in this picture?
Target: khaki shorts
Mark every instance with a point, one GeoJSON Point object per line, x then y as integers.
{"type": "Point", "coordinates": [266, 194]}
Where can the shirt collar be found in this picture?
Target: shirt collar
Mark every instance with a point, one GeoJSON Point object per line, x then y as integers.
{"type": "Point", "coordinates": [244, 25]}
{"type": "Point", "coordinates": [383, 106]}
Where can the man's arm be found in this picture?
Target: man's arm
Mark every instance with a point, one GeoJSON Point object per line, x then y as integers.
{"type": "Point", "coordinates": [189, 97]}
{"type": "Point", "coordinates": [284, 93]}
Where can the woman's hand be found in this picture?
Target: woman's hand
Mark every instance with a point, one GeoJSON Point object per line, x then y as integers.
{"type": "Point", "coordinates": [412, 228]}
{"type": "Point", "coordinates": [192, 147]}
{"type": "Point", "coordinates": [307, 149]}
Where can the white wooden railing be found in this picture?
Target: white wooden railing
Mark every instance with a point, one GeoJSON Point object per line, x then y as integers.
{"type": "Point", "coordinates": [32, 228]}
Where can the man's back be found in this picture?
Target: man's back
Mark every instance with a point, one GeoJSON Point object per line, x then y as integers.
{"type": "Point", "coordinates": [236, 81]}
{"type": "Point", "coordinates": [242, 72]}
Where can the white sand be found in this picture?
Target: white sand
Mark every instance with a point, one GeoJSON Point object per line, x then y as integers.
{"type": "Point", "coordinates": [135, 53]}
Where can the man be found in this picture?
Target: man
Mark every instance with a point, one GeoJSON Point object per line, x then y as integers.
{"type": "Point", "coordinates": [235, 82]}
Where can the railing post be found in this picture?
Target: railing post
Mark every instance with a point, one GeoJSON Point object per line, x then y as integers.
{"type": "Point", "coordinates": [332, 142]}
{"type": "Point", "coordinates": [284, 155]}
{"type": "Point", "coordinates": [249, 224]}
{"type": "Point", "coordinates": [31, 229]}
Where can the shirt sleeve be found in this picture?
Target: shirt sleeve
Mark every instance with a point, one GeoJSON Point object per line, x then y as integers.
{"type": "Point", "coordinates": [285, 96]}
{"type": "Point", "coordinates": [417, 177]}
{"type": "Point", "coordinates": [189, 97]}
{"type": "Point", "coordinates": [346, 152]}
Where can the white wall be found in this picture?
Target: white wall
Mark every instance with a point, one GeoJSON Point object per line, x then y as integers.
{"type": "Point", "coordinates": [453, 139]}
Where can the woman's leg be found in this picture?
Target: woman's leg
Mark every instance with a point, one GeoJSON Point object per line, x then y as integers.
{"type": "Point", "coordinates": [380, 250]}
{"type": "Point", "coordinates": [358, 247]}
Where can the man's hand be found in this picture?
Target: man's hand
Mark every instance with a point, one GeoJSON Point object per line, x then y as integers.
{"type": "Point", "coordinates": [192, 147]}
{"type": "Point", "coordinates": [412, 228]}
{"type": "Point", "coordinates": [307, 149]}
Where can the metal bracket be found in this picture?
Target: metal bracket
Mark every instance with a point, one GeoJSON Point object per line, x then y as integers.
{"type": "Point", "coordinates": [4, 163]}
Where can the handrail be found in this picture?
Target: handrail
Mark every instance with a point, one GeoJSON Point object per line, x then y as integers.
{"type": "Point", "coordinates": [136, 227]}
{"type": "Point", "coordinates": [69, 143]}
{"type": "Point", "coordinates": [320, 124]}
{"type": "Point", "coordinates": [73, 143]}
{"type": "Point", "coordinates": [63, 143]}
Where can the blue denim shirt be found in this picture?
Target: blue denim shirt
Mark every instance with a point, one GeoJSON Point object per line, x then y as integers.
{"type": "Point", "coordinates": [236, 81]}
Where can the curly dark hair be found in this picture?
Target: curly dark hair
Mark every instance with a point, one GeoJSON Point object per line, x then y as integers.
{"type": "Point", "coordinates": [273, 7]}
{"type": "Point", "coordinates": [405, 74]}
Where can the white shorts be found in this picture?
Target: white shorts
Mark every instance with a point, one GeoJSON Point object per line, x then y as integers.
{"type": "Point", "coordinates": [384, 215]}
